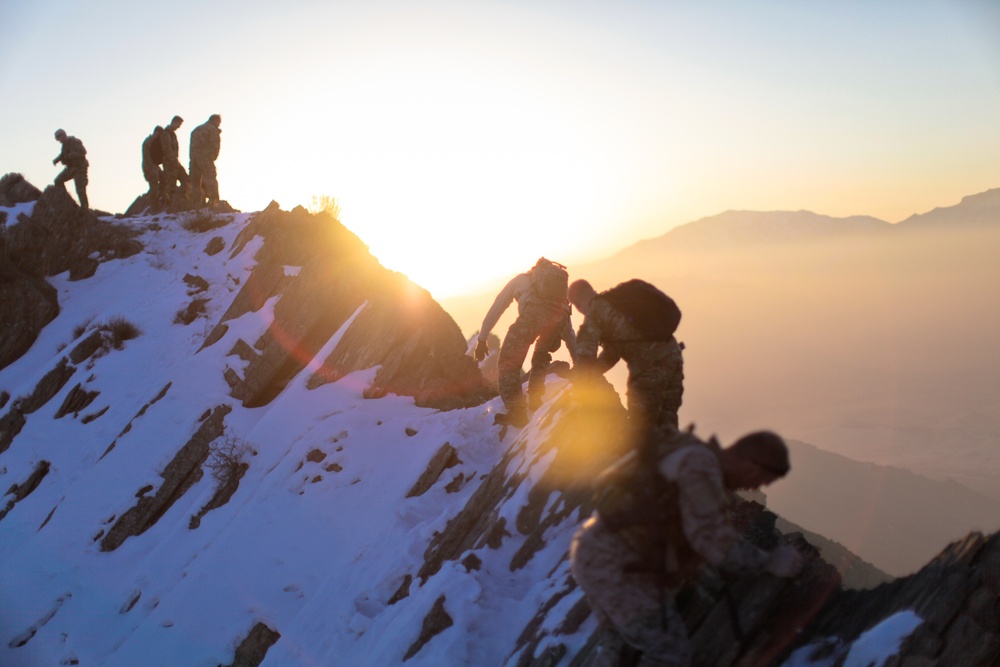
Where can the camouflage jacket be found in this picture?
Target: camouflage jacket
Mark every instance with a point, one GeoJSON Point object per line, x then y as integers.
{"type": "Point", "coordinates": [73, 153]}
{"type": "Point", "coordinates": [205, 141]}
{"type": "Point", "coordinates": [704, 500]}
{"type": "Point", "coordinates": [606, 327]}
{"type": "Point", "coordinates": [168, 141]}
{"type": "Point", "coordinates": [519, 289]}
{"type": "Point", "coordinates": [149, 152]}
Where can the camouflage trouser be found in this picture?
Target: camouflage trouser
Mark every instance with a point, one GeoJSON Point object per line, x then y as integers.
{"type": "Point", "coordinates": [634, 604]}
{"type": "Point", "coordinates": [77, 174]}
{"type": "Point", "coordinates": [153, 175]}
{"type": "Point", "coordinates": [656, 386]}
{"type": "Point", "coordinates": [172, 173]}
{"type": "Point", "coordinates": [204, 182]}
{"type": "Point", "coordinates": [536, 325]}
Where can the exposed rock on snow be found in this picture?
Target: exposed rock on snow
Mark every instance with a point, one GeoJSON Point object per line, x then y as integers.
{"type": "Point", "coordinates": [15, 190]}
{"type": "Point", "coordinates": [419, 348]}
{"type": "Point", "coordinates": [182, 472]}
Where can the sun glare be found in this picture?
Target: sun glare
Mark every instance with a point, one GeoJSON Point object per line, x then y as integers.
{"type": "Point", "coordinates": [452, 176]}
{"type": "Point", "coordinates": [470, 177]}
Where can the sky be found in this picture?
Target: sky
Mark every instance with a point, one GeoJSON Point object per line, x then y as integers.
{"type": "Point", "coordinates": [463, 140]}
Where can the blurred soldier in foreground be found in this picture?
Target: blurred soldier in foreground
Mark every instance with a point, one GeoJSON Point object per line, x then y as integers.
{"type": "Point", "coordinates": [661, 514]}
{"type": "Point", "coordinates": [74, 157]}
{"type": "Point", "coordinates": [634, 321]}
{"type": "Point", "coordinates": [543, 318]}
{"type": "Point", "coordinates": [152, 158]}
{"type": "Point", "coordinates": [172, 169]}
{"type": "Point", "coordinates": [205, 140]}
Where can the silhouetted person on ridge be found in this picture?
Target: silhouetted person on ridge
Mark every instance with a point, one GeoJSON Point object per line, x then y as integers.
{"type": "Point", "coordinates": [633, 321]}
{"type": "Point", "coordinates": [204, 149]}
{"type": "Point", "coordinates": [543, 318]}
{"type": "Point", "coordinates": [172, 169]}
{"type": "Point", "coordinates": [661, 513]}
{"type": "Point", "coordinates": [152, 158]}
{"type": "Point", "coordinates": [74, 157]}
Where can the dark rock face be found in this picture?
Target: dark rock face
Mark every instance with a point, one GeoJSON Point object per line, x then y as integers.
{"type": "Point", "coordinates": [957, 595]}
{"type": "Point", "coordinates": [29, 303]}
{"type": "Point", "coordinates": [15, 190]}
{"type": "Point", "coordinates": [253, 649]}
{"type": "Point", "coordinates": [749, 622]}
{"type": "Point", "coordinates": [437, 621]}
{"type": "Point", "coordinates": [142, 204]}
{"type": "Point", "coordinates": [586, 438]}
{"type": "Point", "coordinates": [58, 237]}
{"type": "Point", "coordinates": [445, 457]}
{"type": "Point", "coordinates": [180, 474]}
{"type": "Point", "coordinates": [19, 492]}
{"type": "Point", "coordinates": [15, 418]}
{"type": "Point", "coordinates": [419, 347]}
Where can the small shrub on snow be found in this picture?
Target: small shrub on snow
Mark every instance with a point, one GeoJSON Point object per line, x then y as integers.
{"type": "Point", "coordinates": [227, 457]}
{"type": "Point", "coordinates": [203, 221]}
{"type": "Point", "coordinates": [121, 330]}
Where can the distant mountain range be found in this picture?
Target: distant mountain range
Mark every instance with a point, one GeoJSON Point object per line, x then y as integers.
{"type": "Point", "coordinates": [735, 229]}
{"type": "Point", "coordinates": [982, 209]}
{"type": "Point", "coordinates": [884, 514]}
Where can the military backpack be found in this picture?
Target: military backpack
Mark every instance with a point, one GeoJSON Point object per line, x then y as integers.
{"type": "Point", "coordinates": [635, 501]}
{"type": "Point", "coordinates": [654, 314]}
{"type": "Point", "coordinates": [549, 282]}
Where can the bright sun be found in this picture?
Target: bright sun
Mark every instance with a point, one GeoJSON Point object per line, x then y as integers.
{"type": "Point", "coordinates": [471, 176]}
{"type": "Point", "coordinates": [450, 176]}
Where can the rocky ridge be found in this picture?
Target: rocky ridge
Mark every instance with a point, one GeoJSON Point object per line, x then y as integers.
{"type": "Point", "coordinates": [497, 519]}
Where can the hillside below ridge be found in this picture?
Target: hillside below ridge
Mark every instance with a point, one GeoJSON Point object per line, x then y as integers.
{"type": "Point", "coordinates": [322, 549]}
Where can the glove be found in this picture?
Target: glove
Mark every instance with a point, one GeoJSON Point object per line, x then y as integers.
{"type": "Point", "coordinates": [482, 349]}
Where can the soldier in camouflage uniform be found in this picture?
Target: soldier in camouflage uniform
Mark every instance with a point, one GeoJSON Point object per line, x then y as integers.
{"type": "Point", "coordinates": [172, 169]}
{"type": "Point", "coordinates": [205, 141]}
{"type": "Point", "coordinates": [655, 367]}
{"type": "Point", "coordinates": [635, 603]}
{"type": "Point", "coordinates": [541, 321]}
{"type": "Point", "coordinates": [74, 157]}
{"type": "Point", "coordinates": [152, 158]}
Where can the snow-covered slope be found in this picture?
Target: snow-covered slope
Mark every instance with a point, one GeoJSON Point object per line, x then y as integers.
{"type": "Point", "coordinates": [362, 531]}
{"type": "Point", "coordinates": [313, 544]}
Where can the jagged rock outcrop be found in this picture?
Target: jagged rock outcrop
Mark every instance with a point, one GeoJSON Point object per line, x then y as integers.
{"type": "Point", "coordinates": [324, 275]}
{"type": "Point", "coordinates": [14, 189]}
{"type": "Point", "coordinates": [253, 649]}
{"type": "Point", "coordinates": [29, 303]}
{"type": "Point", "coordinates": [752, 622]}
{"type": "Point", "coordinates": [13, 421]}
{"type": "Point", "coordinates": [142, 204]}
{"type": "Point", "coordinates": [446, 457]}
{"type": "Point", "coordinates": [437, 621]}
{"type": "Point", "coordinates": [585, 435]}
{"type": "Point", "coordinates": [179, 475]}
{"type": "Point", "coordinates": [58, 237]}
{"type": "Point", "coordinates": [19, 492]}
{"type": "Point", "coordinates": [957, 596]}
